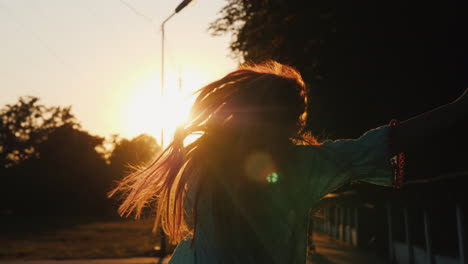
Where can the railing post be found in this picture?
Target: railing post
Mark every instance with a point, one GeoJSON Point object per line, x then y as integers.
{"type": "Point", "coordinates": [356, 226]}
{"type": "Point", "coordinates": [348, 225]}
{"type": "Point", "coordinates": [461, 235]}
{"type": "Point", "coordinates": [342, 223]}
{"type": "Point", "coordinates": [408, 236]}
{"type": "Point", "coordinates": [326, 213]}
{"type": "Point", "coordinates": [391, 254]}
{"type": "Point", "coordinates": [427, 234]}
{"type": "Point", "coordinates": [335, 229]}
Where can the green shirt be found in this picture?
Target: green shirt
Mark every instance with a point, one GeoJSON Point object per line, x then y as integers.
{"type": "Point", "coordinates": [315, 172]}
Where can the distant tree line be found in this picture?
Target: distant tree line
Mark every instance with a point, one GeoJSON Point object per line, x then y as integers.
{"type": "Point", "coordinates": [49, 165]}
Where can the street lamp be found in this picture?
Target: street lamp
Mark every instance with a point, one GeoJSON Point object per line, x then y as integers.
{"type": "Point", "coordinates": [163, 247]}
{"type": "Point", "coordinates": [181, 6]}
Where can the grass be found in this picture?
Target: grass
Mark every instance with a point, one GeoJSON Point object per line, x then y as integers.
{"type": "Point", "coordinates": [114, 239]}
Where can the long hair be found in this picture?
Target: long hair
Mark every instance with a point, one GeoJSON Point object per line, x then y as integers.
{"type": "Point", "coordinates": [258, 106]}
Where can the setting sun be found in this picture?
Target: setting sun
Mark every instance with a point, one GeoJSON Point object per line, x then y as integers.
{"type": "Point", "coordinates": [148, 113]}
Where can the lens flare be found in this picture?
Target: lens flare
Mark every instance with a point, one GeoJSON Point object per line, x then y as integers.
{"type": "Point", "coordinates": [260, 167]}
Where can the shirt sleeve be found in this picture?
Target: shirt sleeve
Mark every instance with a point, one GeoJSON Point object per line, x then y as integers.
{"type": "Point", "coordinates": [335, 163]}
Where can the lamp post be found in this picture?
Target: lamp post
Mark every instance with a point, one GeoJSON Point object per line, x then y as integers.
{"type": "Point", "coordinates": [181, 6]}
{"type": "Point", "coordinates": [184, 3]}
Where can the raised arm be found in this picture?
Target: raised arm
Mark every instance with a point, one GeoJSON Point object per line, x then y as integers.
{"type": "Point", "coordinates": [415, 131]}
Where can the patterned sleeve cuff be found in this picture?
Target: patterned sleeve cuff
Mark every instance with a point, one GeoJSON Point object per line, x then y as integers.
{"type": "Point", "coordinates": [397, 159]}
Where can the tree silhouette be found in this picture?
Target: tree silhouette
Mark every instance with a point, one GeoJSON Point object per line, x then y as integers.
{"type": "Point", "coordinates": [128, 155]}
{"type": "Point", "coordinates": [24, 125]}
{"type": "Point", "coordinates": [52, 167]}
{"type": "Point", "coordinates": [366, 62]}
{"type": "Point", "coordinates": [49, 164]}
{"type": "Point", "coordinates": [66, 177]}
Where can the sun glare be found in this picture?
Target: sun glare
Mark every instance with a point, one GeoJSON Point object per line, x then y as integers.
{"type": "Point", "coordinates": [148, 113]}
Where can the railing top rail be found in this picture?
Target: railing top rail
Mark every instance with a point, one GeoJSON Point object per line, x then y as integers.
{"type": "Point", "coordinates": [448, 176]}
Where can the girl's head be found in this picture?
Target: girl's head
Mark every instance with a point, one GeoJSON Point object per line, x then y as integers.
{"type": "Point", "coordinates": [258, 106]}
{"type": "Point", "coordinates": [268, 98]}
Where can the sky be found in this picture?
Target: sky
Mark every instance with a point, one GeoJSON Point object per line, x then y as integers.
{"type": "Point", "coordinates": [103, 58]}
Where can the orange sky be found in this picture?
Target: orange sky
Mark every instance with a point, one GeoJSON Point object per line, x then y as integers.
{"type": "Point", "coordinates": [104, 58]}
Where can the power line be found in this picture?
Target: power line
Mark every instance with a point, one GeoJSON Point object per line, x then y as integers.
{"type": "Point", "coordinates": [37, 37]}
{"type": "Point", "coordinates": [136, 12]}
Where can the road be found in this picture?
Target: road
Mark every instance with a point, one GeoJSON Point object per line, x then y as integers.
{"type": "Point", "coordinates": [329, 251]}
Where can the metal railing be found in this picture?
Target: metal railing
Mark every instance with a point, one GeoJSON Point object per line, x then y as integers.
{"type": "Point", "coordinates": [408, 230]}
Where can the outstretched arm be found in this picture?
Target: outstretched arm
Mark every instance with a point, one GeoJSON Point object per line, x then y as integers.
{"type": "Point", "coordinates": [414, 131]}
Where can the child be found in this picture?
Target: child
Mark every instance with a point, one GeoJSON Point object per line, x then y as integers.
{"type": "Point", "coordinates": [242, 191]}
